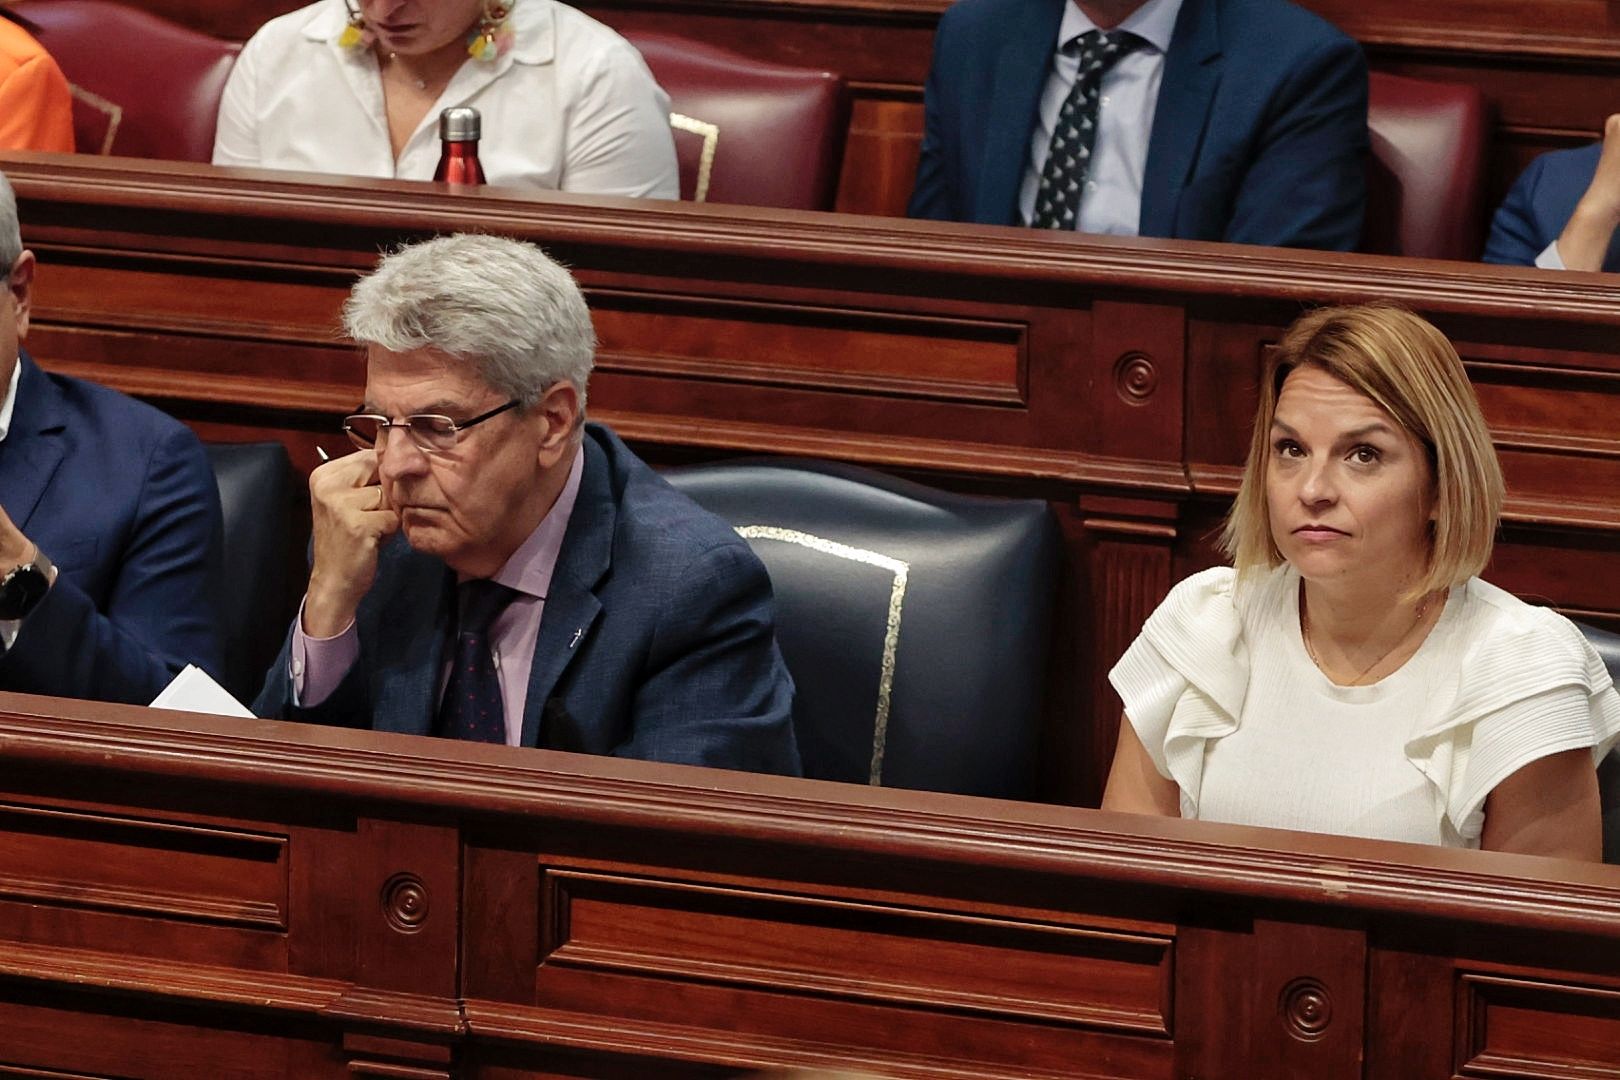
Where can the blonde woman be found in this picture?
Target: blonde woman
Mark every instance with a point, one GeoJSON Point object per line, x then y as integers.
{"type": "Point", "coordinates": [1351, 673]}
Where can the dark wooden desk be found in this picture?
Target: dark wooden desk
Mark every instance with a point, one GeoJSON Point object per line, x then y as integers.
{"type": "Point", "coordinates": [1114, 378]}
{"type": "Point", "coordinates": [1547, 68]}
{"type": "Point", "coordinates": [198, 896]}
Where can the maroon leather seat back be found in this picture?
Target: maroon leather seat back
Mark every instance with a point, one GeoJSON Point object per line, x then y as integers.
{"type": "Point", "coordinates": [1425, 184]}
{"type": "Point", "coordinates": [773, 135]}
{"type": "Point", "coordinates": [142, 86]}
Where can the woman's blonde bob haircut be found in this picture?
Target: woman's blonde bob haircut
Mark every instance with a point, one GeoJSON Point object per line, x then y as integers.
{"type": "Point", "coordinates": [1411, 371]}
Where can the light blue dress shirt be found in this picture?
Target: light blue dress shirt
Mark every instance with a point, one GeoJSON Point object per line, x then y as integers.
{"type": "Point", "coordinates": [1130, 94]}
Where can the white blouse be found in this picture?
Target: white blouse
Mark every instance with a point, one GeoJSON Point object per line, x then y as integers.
{"type": "Point", "coordinates": [1227, 703]}
{"type": "Point", "coordinates": [570, 106]}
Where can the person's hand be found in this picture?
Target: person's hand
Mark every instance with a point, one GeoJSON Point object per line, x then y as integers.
{"type": "Point", "coordinates": [351, 519]}
{"type": "Point", "coordinates": [1585, 239]}
{"type": "Point", "coordinates": [15, 548]}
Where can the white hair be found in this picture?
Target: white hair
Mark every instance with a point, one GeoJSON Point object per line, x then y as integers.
{"type": "Point", "coordinates": [11, 247]}
{"type": "Point", "coordinates": [501, 305]}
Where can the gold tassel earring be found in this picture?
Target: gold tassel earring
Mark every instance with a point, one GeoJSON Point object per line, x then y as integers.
{"type": "Point", "coordinates": [493, 35]}
{"type": "Point", "coordinates": [355, 35]}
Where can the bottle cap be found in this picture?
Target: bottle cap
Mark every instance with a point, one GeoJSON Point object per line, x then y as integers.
{"type": "Point", "coordinates": [460, 124]}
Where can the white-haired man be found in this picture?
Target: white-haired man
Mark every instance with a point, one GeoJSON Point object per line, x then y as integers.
{"type": "Point", "coordinates": [109, 524]}
{"type": "Point", "coordinates": [489, 567]}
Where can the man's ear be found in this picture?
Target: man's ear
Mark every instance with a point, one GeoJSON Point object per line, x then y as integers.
{"type": "Point", "coordinates": [20, 284]}
{"type": "Point", "coordinates": [560, 407]}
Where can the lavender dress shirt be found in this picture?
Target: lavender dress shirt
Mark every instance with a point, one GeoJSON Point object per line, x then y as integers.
{"type": "Point", "coordinates": [319, 664]}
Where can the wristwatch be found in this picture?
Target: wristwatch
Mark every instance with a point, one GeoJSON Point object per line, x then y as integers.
{"type": "Point", "coordinates": [25, 586]}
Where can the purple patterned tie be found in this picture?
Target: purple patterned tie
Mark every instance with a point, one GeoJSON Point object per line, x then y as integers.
{"type": "Point", "coordinates": [1068, 161]}
{"type": "Point", "coordinates": [471, 708]}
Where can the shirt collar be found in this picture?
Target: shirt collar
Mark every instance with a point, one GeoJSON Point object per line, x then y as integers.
{"type": "Point", "coordinates": [530, 568]}
{"type": "Point", "coordinates": [1154, 22]}
{"type": "Point", "coordinates": [9, 405]}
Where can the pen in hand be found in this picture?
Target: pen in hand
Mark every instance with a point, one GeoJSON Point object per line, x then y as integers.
{"type": "Point", "coordinates": [325, 457]}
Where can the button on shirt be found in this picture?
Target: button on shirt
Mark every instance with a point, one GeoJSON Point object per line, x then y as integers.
{"type": "Point", "coordinates": [318, 665]}
{"type": "Point", "coordinates": [1130, 96]}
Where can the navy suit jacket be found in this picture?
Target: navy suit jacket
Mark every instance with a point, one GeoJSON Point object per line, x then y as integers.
{"type": "Point", "coordinates": [657, 640]}
{"type": "Point", "coordinates": [1259, 135]}
{"type": "Point", "coordinates": [1539, 206]}
{"type": "Point", "coordinates": [122, 499]}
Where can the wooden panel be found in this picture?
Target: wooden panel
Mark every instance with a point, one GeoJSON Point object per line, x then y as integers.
{"type": "Point", "coordinates": [1309, 998]}
{"type": "Point", "coordinates": [800, 345]}
{"type": "Point", "coordinates": [881, 151]}
{"type": "Point", "coordinates": [623, 919]}
{"type": "Point", "coordinates": [1128, 566]}
{"type": "Point", "coordinates": [142, 1039]}
{"type": "Point", "coordinates": [1554, 26]}
{"type": "Point", "coordinates": [1414, 983]}
{"type": "Point", "coordinates": [210, 875]}
{"type": "Point", "coordinates": [882, 955]}
{"type": "Point", "coordinates": [1523, 1027]}
{"type": "Point", "coordinates": [1545, 419]}
{"type": "Point", "coordinates": [181, 296]}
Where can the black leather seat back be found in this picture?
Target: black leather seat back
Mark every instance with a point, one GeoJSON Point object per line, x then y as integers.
{"type": "Point", "coordinates": [1607, 645]}
{"type": "Point", "coordinates": [915, 622]}
{"type": "Point", "coordinates": [265, 536]}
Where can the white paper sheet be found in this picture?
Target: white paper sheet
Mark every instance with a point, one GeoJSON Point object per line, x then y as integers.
{"type": "Point", "coordinates": [193, 691]}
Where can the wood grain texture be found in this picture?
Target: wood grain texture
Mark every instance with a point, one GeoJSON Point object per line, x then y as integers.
{"type": "Point", "coordinates": [630, 919]}
{"type": "Point", "coordinates": [1506, 1027]}
{"type": "Point", "coordinates": [52, 856]}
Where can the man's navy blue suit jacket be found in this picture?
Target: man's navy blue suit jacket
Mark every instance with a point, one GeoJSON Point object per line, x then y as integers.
{"type": "Point", "coordinates": [1539, 206]}
{"type": "Point", "coordinates": [657, 640]}
{"type": "Point", "coordinates": [122, 499]}
{"type": "Point", "coordinates": [1259, 135]}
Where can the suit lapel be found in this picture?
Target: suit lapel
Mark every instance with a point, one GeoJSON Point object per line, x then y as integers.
{"type": "Point", "coordinates": [1192, 71]}
{"type": "Point", "coordinates": [405, 687]}
{"type": "Point", "coordinates": [34, 449]}
{"type": "Point", "coordinates": [1022, 68]}
{"type": "Point", "coordinates": [571, 605]}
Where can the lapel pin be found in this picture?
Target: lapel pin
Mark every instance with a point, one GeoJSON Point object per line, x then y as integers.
{"type": "Point", "coordinates": [579, 632]}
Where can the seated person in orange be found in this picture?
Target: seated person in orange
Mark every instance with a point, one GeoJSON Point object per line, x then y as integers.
{"type": "Point", "coordinates": [356, 88]}
{"type": "Point", "coordinates": [36, 107]}
{"type": "Point", "coordinates": [1351, 674]}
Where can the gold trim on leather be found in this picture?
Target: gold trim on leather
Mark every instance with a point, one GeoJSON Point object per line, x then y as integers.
{"type": "Point", "coordinates": [113, 111]}
{"type": "Point", "coordinates": [711, 139]}
{"type": "Point", "coordinates": [891, 632]}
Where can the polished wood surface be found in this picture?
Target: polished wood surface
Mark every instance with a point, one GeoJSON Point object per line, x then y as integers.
{"type": "Point", "coordinates": [1113, 378]}
{"type": "Point", "coordinates": [349, 904]}
{"type": "Point", "coordinates": [1547, 68]}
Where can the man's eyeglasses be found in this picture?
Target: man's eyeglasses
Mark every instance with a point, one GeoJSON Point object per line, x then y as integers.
{"type": "Point", "coordinates": [432, 433]}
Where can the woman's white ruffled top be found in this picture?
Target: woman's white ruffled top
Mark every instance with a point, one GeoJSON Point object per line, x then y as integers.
{"type": "Point", "coordinates": [1226, 701]}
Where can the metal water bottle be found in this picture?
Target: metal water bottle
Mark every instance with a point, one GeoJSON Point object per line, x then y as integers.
{"type": "Point", "coordinates": [458, 160]}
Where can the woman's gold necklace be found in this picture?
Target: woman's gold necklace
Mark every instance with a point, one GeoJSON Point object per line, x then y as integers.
{"type": "Point", "coordinates": [1305, 632]}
